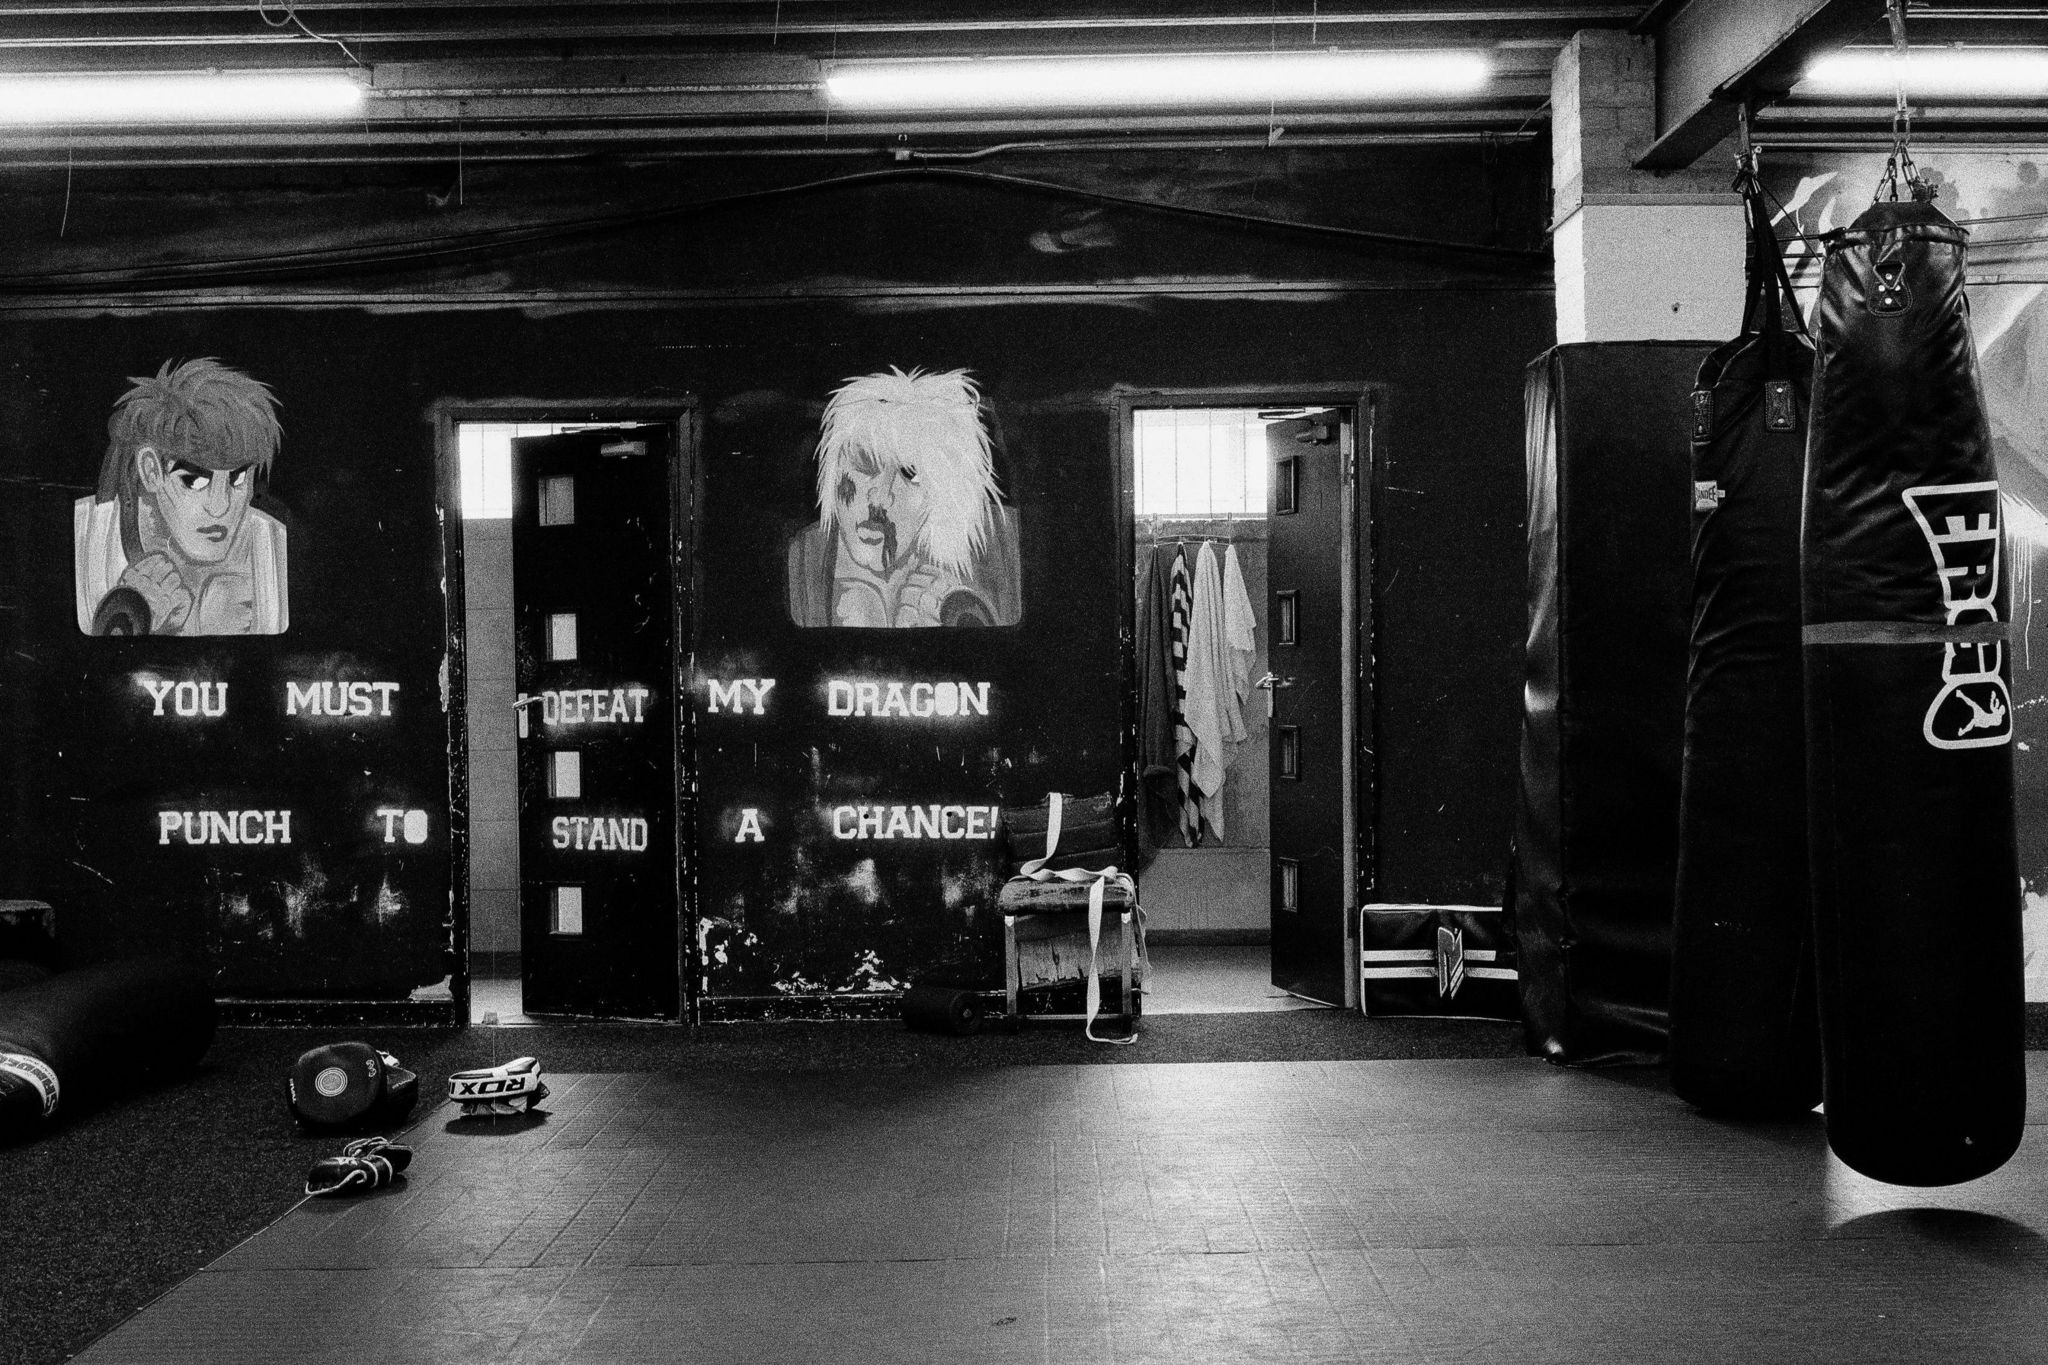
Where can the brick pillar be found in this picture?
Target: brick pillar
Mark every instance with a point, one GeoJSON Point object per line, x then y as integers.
{"type": "Point", "coordinates": [1640, 255]}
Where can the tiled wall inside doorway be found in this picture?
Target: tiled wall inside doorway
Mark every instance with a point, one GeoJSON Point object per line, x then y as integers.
{"type": "Point", "coordinates": [493, 760]}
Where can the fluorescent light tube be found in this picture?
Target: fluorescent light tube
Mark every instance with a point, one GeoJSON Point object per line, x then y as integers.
{"type": "Point", "coordinates": [1931, 72]}
{"type": "Point", "coordinates": [1290, 78]}
{"type": "Point", "coordinates": [184, 97]}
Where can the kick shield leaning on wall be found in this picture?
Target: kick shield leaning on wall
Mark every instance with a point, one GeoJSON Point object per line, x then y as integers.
{"type": "Point", "coordinates": [1909, 717]}
{"type": "Point", "coordinates": [1603, 700]}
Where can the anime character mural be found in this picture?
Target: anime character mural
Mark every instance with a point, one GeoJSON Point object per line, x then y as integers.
{"type": "Point", "coordinates": [170, 543]}
{"type": "Point", "coordinates": [911, 529]}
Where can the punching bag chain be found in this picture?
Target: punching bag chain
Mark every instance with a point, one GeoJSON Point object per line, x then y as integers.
{"type": "Point", "coordinates": [1899, 165]}
{"type": "Point", "coordinates": [1745, 150]}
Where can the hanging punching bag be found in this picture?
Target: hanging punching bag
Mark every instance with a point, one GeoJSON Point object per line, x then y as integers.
{"type": "Point", "coordinates": [1909, 717]}
{"type": "Point", "coordinates": [1745, 1037]}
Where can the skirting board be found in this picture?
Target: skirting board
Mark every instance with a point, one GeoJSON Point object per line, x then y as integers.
{"type": "Point", "coordinates": [1209, 938]}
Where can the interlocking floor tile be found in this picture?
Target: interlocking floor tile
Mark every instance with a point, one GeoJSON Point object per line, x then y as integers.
{"type": "Point", "coordinates": [1341, 1212]}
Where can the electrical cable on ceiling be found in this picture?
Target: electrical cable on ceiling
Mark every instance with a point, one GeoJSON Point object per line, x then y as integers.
{"type": "Point", "coordinates": [417, 251]}
{"type": "Point", "coordinates": [291, 17]}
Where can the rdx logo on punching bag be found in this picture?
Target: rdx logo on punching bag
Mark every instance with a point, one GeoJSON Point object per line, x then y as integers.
{"type": "Point", "coordinates": [1973, 710]}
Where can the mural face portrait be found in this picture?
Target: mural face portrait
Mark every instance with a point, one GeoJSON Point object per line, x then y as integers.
{"type": "Point", "coordinates": [171, 542]}
{"type": "Point", "coordinates": [893, 507]}
{"type": "Point", "coordinates": [912, 530]}
{"type": "Point", "coordinates": [197, 509]}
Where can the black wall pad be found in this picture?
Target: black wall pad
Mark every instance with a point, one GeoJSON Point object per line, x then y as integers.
{"type": "Point", "coordinates": [1909, 717]}
{"type": "Point", "coordinates": [1596, 834]}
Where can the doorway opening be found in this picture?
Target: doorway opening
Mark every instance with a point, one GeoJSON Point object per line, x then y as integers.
{"type": "Point", "coordinates": [478, 446]}
{"type": "Point", "coordinates": [1243, 523]}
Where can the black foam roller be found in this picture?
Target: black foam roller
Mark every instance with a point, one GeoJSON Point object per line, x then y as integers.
{"type": "Point", "coordinates": [95, 1032]}
{"type": "Point", "coordinates": [942, 1009]}
{"type": "Point", "coordinates": [1909, 717]}
{"type": "Point", "coordinates": [1745, 1034]}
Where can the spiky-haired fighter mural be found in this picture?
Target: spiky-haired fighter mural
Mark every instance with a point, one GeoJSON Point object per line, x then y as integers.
{"type": "Point", "coordinates": [168, 544]}
{"type": "Point", "coordinates": [911, 528]}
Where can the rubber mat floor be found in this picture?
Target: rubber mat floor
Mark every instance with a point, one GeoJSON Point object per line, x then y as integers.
{"type": "Point", "coordinates": [1398, 1211]}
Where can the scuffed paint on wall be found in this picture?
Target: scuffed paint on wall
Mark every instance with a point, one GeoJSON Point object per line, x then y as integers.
{"type": "Point", "coordinates": [264, 926]}
{"type": "Point", "coordinates": [2034, 923]}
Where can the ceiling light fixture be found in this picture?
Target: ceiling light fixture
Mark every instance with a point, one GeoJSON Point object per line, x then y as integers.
{"type": "Point", "coordinates": [1289, 78]}
{"type": "Point", "coordinates": [1931, 72]}
{"type": "Point", "coordinates": [183, 97]}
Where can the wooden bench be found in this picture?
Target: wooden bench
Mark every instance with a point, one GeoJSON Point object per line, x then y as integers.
{"type": "Point", "coordinates": [1023, 900]}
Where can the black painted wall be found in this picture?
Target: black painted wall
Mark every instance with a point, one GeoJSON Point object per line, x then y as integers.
{"type": "Point", "coordinates": [756, 311]}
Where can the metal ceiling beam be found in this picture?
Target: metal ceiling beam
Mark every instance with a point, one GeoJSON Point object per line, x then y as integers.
{"type": "Point", "coordinates": [1712, 55]}
{"type": "Point", "coordinates": [88, 26]}
{"type": "Point", "coordinates": [241, 41]}
{"type": "Point", "coordinates": [425, 132]}
{"type": "Point", "coordinates": [823, 15]}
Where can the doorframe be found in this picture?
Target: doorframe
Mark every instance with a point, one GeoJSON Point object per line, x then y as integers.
{"type": "Point", "coordinates": [1359, 605]}
{"type": "Point", "coordinates": [684, 417]}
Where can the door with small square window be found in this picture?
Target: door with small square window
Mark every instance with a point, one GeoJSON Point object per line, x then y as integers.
{"type": "Point", "coordinates": [595, 612]}
{"type": "Point", "coordinates": [1311, 486]}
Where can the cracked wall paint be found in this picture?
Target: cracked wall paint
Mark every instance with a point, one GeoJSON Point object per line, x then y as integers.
{"type": "Point", "coordinates": [2034, 924]}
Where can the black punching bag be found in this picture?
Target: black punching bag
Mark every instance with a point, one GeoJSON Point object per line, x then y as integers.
{"type": "Point", "coordinates": [1909, 717]}
{"type": "Point", "coordinates": [81, 1037]}
{"type": "Point", "coordinates": [1745, 1037]}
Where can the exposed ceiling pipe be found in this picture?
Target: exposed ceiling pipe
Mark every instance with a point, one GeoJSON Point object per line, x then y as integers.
{"type": "Point", "coordinates": [1551, 15]}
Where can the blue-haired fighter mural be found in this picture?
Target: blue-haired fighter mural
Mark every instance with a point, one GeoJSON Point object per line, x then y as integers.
{"type": "Point", "coordinates": [911, 530]}
{"type": "Point", "coordinates": [169, 543]}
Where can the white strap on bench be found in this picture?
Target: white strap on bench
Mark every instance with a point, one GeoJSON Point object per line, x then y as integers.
{"type": "Point", "coordinates": [1036, 871]}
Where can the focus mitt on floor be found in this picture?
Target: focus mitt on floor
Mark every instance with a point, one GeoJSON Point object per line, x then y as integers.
{"type": "Point", "coordinates": [514, 1088]}
{"type": "Point", "coordinates": [350, 1085]}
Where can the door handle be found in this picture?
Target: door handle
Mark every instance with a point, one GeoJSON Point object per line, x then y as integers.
{"type": "Point", "coordinates": [1271, 685]}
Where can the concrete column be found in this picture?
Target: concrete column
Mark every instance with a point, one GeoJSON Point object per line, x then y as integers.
{"type": "Point", "coordinates": [1640, 255]}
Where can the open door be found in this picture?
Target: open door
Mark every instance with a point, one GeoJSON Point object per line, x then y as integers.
{"type": "Point", "coordinates": [1309, 530]}
{"type": "Point", "coordinates": [594, 616]}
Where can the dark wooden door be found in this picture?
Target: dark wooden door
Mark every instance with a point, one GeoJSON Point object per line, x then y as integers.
{"type": "Point", "coordinates": [1309, 483]}
{"type": "Point", "coordinates": [595, 612]}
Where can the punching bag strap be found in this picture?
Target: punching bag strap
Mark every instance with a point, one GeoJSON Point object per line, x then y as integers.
{"type": "Point", "coordinates": [1772, 310]}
